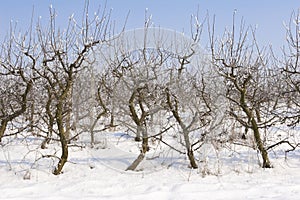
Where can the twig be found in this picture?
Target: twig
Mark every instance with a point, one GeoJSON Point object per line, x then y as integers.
{"type": "Point", "coordinates": [169, 145]}
{"type": "Point", "coordinates": [282, 142]}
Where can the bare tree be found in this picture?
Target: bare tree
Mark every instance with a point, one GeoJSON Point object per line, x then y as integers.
{"type": "Point", "coordinates": [187, 98]}
{"type": "Point", "coordinates": [244, 67]}
{"type": "Point", "coordinates": [64, 55]}
{"type": "Point", "coordinates": [136, 93]}
{"type": "Point", "coordinates": [17, 78]}
{"type": "Point", "coordinates": [91, 103]}
{"type": "Point", "coordinates": [291, 69]}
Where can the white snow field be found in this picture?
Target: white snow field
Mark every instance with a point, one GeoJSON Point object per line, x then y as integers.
{"type": "Point", "coordinates": [99, 173]}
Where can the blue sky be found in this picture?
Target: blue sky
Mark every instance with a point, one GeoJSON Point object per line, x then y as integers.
{"type": "Point", "coordinates": [267, 15]}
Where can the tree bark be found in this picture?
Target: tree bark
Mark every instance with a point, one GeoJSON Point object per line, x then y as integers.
{"type": "Point", "coordinates": [255, 129]}
{"type": "Point", "coordinates": [145, 148]}
{"type": "Point", "coordinates": [136, 162]}
{"type": "Point", "coordinates": [63, 131]}
{"type": "Point", "coordinates": [63, 139]}
{"type": "Point", "coordinates": [259, 143]}
{"type": "Point", "coordinates": [190, 152]}
{"type": "Point", "coordinates": [2, 128]}
{"type": "Point", "coordinates": [50, 119]}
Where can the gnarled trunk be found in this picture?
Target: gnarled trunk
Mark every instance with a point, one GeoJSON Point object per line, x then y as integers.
{"type": "Point", "coordinates": [145, 148]}
{"type": "Point", "coordinates": [63, 139]}
{"type": "Point", "coordinates": [190, 152]}
{"type": "Point", "coordinates": [260, 146]}
{"type": "Point", "coordinates": [255, 129]}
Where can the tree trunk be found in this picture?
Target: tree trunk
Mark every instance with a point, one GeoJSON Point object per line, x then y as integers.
{"type": "Point", "coordinates": [136, 162]}
{"type": "Point", "coordinates": [68, 126]}
{"type": "Point", "coordinates": [261, 148]}
{"type": "Point", "coordinates": [189, 150]}
{"type": "Point", "coordinates": [50, 119]}
{"type": "Point", "coordinates": [134, 116]}
{"type": "Point", "coordinates": [145, 148]}
{"type": "Point", "coordinates": [112, 121]}
{"type": "Point", "coordinates": [191, 157]}
{"type": "Point", "coordinates": [138, 134]}
{"type": "Point", "coordinates": [254, 127]}
{"type": "Point", "coordinates": [64, 156]}
{"type": "Point", "coordinates": [31, 119]}
{"type": "Point", "coordinates": [3, 128]}
{"type": "Point", "coordinates": [63, 139]}
{"type": "Point", "coordinates": [174, 110]}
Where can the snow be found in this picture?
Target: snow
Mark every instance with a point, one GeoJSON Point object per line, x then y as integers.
{"type": "Point", "coordinates": [99, 173]}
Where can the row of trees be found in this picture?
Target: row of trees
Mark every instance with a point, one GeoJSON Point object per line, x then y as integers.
{"type": "Point", "coordinates": [58, 83]}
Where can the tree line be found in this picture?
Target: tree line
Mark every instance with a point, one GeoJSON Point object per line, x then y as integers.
{"type": "Point", "coordinates": [57, 84]}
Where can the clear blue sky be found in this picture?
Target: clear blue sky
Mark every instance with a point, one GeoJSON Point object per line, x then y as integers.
{"type": "Point", "coordinates": [267, 15]}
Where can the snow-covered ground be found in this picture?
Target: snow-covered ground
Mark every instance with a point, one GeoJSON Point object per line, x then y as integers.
{"type": "Point", "coordinates": [99, 173]}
